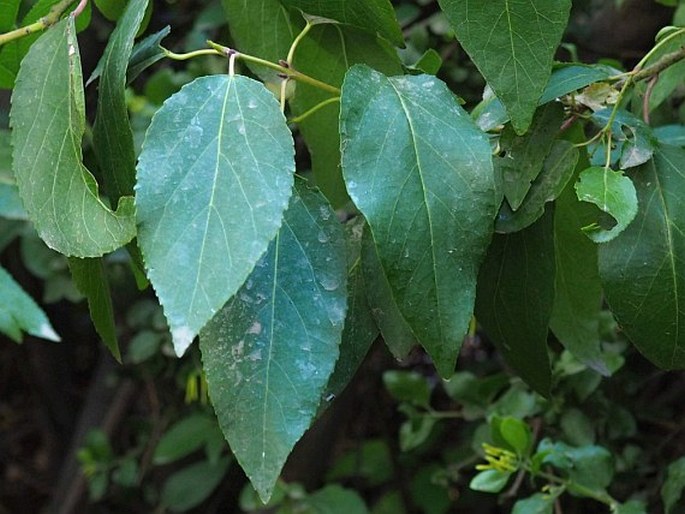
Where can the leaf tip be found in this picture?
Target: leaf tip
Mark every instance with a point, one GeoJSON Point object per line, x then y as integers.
{"type": "Point", "coordinates": [182, 336]}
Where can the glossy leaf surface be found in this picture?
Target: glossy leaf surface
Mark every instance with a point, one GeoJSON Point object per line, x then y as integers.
{"type": "Point", "coordinates": [421, 173]}
{"type": "Point", "coordinates": [48, 121]}
{"type": "Point", "coordinates": [268, 354]}
{"type": "Point", "coordinates": [214, 178]}
{"type": "Point", "coordinates": [642, 269]}
{"type": "Point", "coordinates": [512, 43]}
{"type": "Point", "coordinates": [515, 294]}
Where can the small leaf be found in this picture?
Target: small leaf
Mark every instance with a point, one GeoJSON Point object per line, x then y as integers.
{"type": "Point", "coordinates": [556, 172]}
{"type": "Point", "coordinates": [214, 178]}
{"type": "Point", "coordinates": [490, 481]}
{"type": "Point", "coordinates": [539, 503]}
{"type": "Point", "coordinates": [430, 62]}
{"type": "Point", "coordinates": [525, 155]}
{"type": "Point", "coordinates": [589, 466]}
{"type": "Point", "coordinates": [632, 507]}
{"type": "Point", "coordinates": [512, 44]}
{"type": "Point", "coordinates": [18, 312]}
{"type": "Point", "coordinates": [189, 487]}
{"type": "Point", "coordinates": [91, 280]}
{"type": "Point", "coordinates": [269, 353]}
{"type": "Point", "coordinates": [514, 302]}
{"type": "Point", "coordinates": [396, 332]}
{"type": "Point", "coordinates": [641, 269]}
{"type": "Point", "coordinates": [333, 499]}
{"type": "Point", "coordinates": [183, 438]}
{"type": "Point", "coordinates": [407, 386]}
{"type": "Point", "coordinates": [636, 141]}
{"type": "Point", "coordinates": [48, 121]}
{"type": "Point", "coordinates": [419, 190]}
{"type": "Point", "coordinates": [614, 194]}
{"type": "Point", "coordinates": [373, 16]}
{"type": "Point", "coordinates": [516, 434]}
{"type": "Point", "coordinates": [672, 490]}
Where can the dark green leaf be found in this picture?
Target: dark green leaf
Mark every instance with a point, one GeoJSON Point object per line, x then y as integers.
{"type": "Point", "coordinates": [332, 499]}
{"type": "Point", "coordinates": [18, 312]}
{"type": "Point", "coordinates": [190, 486]}
{"type": "Point", "coordinates": [512, 44]}
{"type": "Point", "coordinates": [112, 9]}
{"type": "Point", "coordinates": [269, 353]}
{"type": "Point", "coordinates": [419, 190]}
{"type": "Point", "coordinates": [632, 507]}
{"type": "Point", "coordinates": [556, 172]}
{"type": "Point", "coordinates": [539, 503]}
{"type": "Point", "coordinates": [360, 327]}
{"type": "Point", "coordinates": [407, 386]}
{"type": "Point", "coordinates": [91, 280]}
{"type": "Point", "coordinates": [514, 302]}
{"type": "Point", "coordinates": [490, 481]}
{"type": "Point", "coordinates": [578, 290]}
{"type": "Point", "coordinates": [112, 134]}
{"type": "Point", "coordinates": [327, 53]}
{"type": "Point", "coordinates": [396, 332]}
{"type": "Point", "coordinates": [183, 438]}
{"type": "Point", "coordinates": [373, 16]}
{"type": "Point", "coordinates": [525, 155]}
{"type": "Point", "coordinates": [614, 194]}
{"type": "Point", "coordinates": [641, 269]}
{"type": "Point", "coordinates": [672, 490]}
{"type": "Point", "coordinates": [48, 121]}
{"type": "Point", "coordinates": [589, 466]}
{"type": "Point", "coordinates": [214, 178]}
{"type": "Point", "coordinates": [8, 14]}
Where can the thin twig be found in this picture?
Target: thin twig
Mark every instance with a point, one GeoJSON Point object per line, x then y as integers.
{"type": "Point", "coordinates": [645, 99]}
{"type": "Point", "coordinates": [43, 23]}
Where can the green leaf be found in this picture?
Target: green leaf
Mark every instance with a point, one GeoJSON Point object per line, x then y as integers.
{"type": "Point", "coordinates": [556, 172]}
{"type": "Point", "coordinates": [10, 203]}
{"type": "Point", "coordinates": [8, 14]}
{"type": "Point", "coordinates": [614, 194]}
{"type": "Point", "coordinates": [672, 489]}
{"type": "Point", "coordinates": [632, 507]}
{"type": "Point", "coordinates": [189, 487]}
{"type": "Point", "coordinates": [514, 301]}
{"type": "Point", "coordinates": [274, 37]}
{"type": "Point", "coordinates": [672, 77]}
{"type": "Point", "coordinates": [48, 121]}
{"type": "Point", "coordinates": [360, 327]}
{"type": "Point", "coordinates": [183, 438]}
{"type": "Point", "coordinates": [333, 499]}
{"type": "Point", "coordinates": [588, 466]}
{"type": "Point", "coordinates": [113, 9]}
{"type": "Point", "coordinates": [407, 386]}
{"type": "Point", "coordinates": [373, 16]}
{"type": "Point", "coordinates": [525, 156]}
{"type": "Point", "coordinates": [91, 280]}
{"type": "Point", "coordinates": [634, 139]}
{"type": "Point", "coordinates": [515, 433]}
{"type": "Point", "coordinates": [512, 44]}
{"type": "Point", "coordinates": [641, 269]}
{"type": "Point", "coordinates": [671, 135]}
{"type": "Point", "coordinates": [578, 290]}
{"type": "Point", "coordinates": [269, 353]}
{"type": "Point", "coordinates": [112, 134]}
{"type": "Point", "coordinates": [396, 332]}
{"type": "Point", "coordinates": [214, 178]}
{"type": "Point", "coordinates": [490, 481]}
{"type": "Point", "coordinates": [327, 53]}
{"type": "Point", "coordinates": [539, 503]}
{"type": "Point", "coordinates": [431, 177]}
{"type": "Point", "coordinates": [18, 312]}
{"type": "Point", "coordinates": [430, 62]}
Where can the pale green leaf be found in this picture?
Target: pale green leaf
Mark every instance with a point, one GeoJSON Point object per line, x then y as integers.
{"type": "Point", "coordinates": [112, 134]}
{"type": "Point", "coordinates": [490, 481]}
{"type": "Point", "coordinates": [539, 503]}
{"type": "Point", "coordinates": [578, 290]}
{"type": "Point", "coordinates": [672, 489]}
{"type": "Point", "coordinates": [421, 173]}
{"type": "Point", "coordinates": [48, 122]}
{"type": "Point", "coordinates": [671, 135]}
{"type": "Point", "coordinates": [614, 194]}
{"type": "Point", "coordinates": [524, 156]}
{"type": "Point", "coordinates": [269, 353]}
{"type": "Point", "coordinates": [214, 178]}
{"type": "Point", "coordinates": [396, 332]}
{"type": "Point", "coordinates": [513, 44]}
{"type": "Point", "coordinates": [19, 313]}
{"type": "Point", "coordinates": [556, 172]}
{"type": "Point", "coordinates": [642, 269]}
{"type": "Point", "coordinates": [373, 16]}
{"type": "Point", "coordinates": [90, 278]}
{"type": "Point", "coordinates": [514, 302]}
{"type": "Point", "coordinates": [326, 54]}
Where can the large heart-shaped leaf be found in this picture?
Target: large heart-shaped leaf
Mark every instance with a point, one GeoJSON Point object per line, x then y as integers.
{"type": "Point", "coordinates": [214, 178]}
{"type": "Point", "coordinates": [48, 121]}
{"type": "Point", "coordinates": [269, 352]}
{"type": "Point", "coordinates": [515, 294]}
{"type": "Point", "coordinates": [373, 16]}
{"type": "Point", "coordinates": [642, 269]}
{"type": "Point", "coordinates": [512, 43]}
{"type": "Point", "coordinates": [421, 173]}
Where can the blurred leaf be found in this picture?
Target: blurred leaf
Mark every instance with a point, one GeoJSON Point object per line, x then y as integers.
{"type": "Point", "coordinates": [672, 489]}
{"type": "Point", "coordinates": [537, 504]}
{"type": "Point", "coordinates": [407, 386]}
{"type": "Point", "coordinates": [190, 486]}
{"type": "Point", "coordinates": [183, 438]}
{"type": "Point", "coordinates": [490, 481]}
{"type": "Point", "coordinates": [671, 135]}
